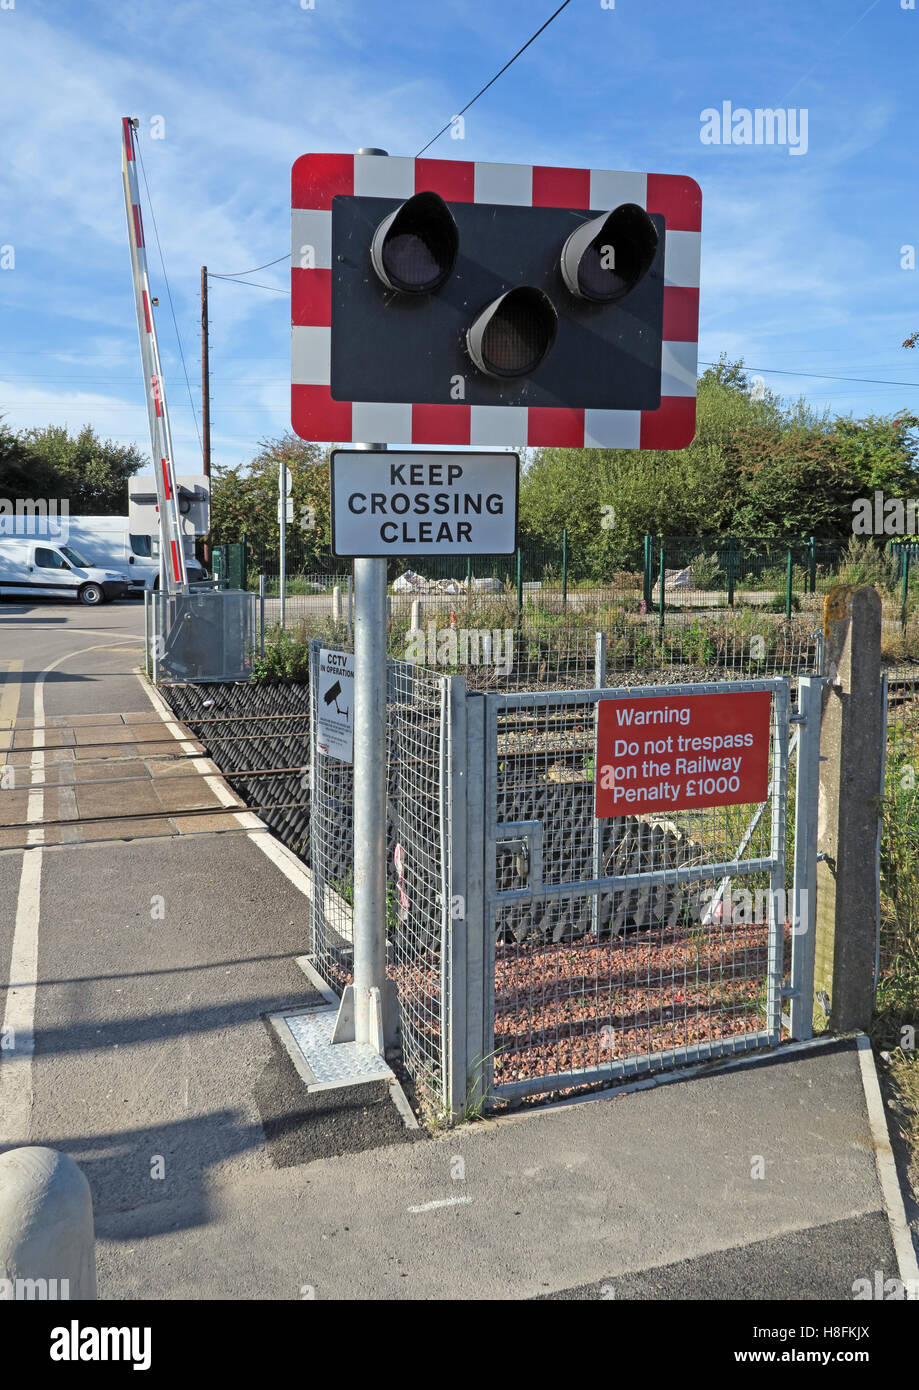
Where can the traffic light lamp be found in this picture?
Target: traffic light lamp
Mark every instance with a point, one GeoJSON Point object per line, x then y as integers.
{"type": "Point", "coordinates": [512, 335]}
{"type": "Point", "coordinates": [436, 301]}
{"type": "Point", "coordinates": [604, 259]}
{"type": "Point", "coordinates": [414, 249]}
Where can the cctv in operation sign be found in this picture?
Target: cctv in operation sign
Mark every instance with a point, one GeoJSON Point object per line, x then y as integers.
{"type": "Point", "coordinates": [680, 752]}
{"type": "Point", "coordinates": [414, 503]}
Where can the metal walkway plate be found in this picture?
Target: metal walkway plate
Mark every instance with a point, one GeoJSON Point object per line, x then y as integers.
{"type": "Point", "coordinates": [307, 1036]}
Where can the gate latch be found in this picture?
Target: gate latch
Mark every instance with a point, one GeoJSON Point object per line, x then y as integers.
{"type": "Point", "coordinates": [523, 839]}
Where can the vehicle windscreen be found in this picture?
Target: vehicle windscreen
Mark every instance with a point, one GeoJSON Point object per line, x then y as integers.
{"type": "Point", "coordinates": [74, 558]}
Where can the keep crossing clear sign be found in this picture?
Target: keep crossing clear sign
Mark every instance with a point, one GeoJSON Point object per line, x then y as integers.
{"type": "Point", "coordinates": [404, 504]}
{"type": "Point", "coordinates": [335, 705]}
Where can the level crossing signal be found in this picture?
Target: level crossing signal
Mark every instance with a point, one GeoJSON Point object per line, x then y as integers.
{"type": "Point", "coordinates": [453, 303]}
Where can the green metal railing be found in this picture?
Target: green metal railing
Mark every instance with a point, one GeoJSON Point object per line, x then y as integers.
{"type": "Point", "coordinates": [720, 571]}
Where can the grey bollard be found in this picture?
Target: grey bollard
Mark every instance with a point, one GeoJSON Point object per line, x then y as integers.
{"type": "Point", "coordinates": [336, 603]}
{"type": "Point", "coordinates": [47, 1243]}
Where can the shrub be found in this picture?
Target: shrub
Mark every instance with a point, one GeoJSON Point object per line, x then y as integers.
{"type": "Point", "coordinates": [287, 658]}
{"type": "Point", "coordinates": [863, 562]}
{"type": "Point", "coordinates": [707, 572]}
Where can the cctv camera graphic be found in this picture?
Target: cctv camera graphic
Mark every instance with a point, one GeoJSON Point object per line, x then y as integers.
{"type": "Point", "coordinates": [331, 697]}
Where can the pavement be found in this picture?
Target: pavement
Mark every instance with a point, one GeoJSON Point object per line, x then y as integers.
{"type": "Point", "coordinates": [142, 963]}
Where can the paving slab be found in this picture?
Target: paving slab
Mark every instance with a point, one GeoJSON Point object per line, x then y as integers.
{"type": "Point", "coordinates": [124, 798]}
{"type": "Point", "coordinates": [14, 806]}
{"type": "Point", "coordinates": [111, 733]}
{"type": "Point", "coordinates": [197, 825]}
{"type": "Point", "coordinates": [188, 794]}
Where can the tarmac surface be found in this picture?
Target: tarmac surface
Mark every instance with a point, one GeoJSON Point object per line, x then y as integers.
{"type": "Point", "coordinates": [141, 966]}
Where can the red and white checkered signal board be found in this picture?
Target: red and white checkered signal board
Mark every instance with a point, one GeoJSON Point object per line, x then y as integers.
{"type": "Point", "coordinates": [318, 178]}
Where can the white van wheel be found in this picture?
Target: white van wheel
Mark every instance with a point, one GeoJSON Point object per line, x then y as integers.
{"type": "Point", "coordinates": [92, 595]}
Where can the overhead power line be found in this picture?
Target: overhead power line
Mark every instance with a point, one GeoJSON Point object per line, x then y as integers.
{"type": "Point", "coordinates": [820, 376]}
{"type": "Point", "coordinates": [484, 89]}
{"type": "Point", "coordinates": [235, 274]}
{"type": "Point", "coordinates": [254, 283]}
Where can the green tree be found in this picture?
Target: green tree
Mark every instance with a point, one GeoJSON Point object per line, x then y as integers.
{"type": "Point", "coordinates": [14, 464]}
{"type": "Point", "coordinates": [89, 473]}
{"type": "Point", "coordinates": [244, 499]}
{"type": "Point", "coordinates": [757, 466]}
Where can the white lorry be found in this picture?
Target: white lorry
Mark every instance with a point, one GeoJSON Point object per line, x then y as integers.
{"type": "Point", "coordinates": [109, 541]}
{"type": "Point", "coordinates": [37, 567]}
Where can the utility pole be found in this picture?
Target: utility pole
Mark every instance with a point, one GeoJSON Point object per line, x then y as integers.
{"type": "Point", "coordinates": [205, 399]}
{"type": "Point", "coordinates": [282, 522]}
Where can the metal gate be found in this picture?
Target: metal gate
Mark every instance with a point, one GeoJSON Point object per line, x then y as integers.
{"type": "Point", "coordinates": [584, 950]}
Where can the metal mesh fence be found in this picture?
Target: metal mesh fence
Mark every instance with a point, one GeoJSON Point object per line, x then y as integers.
{"type": "Point", "coordinates": [331, 793]}
{"type": "Point", "coordinates": [205, 635]}
{"type": "Point", "coordinates": [694, 647]}
{"type": "Point", "coordinates": [673, 962]}
{"type": "Point", "coordinates": [899, 944]}
{"type": "Point", "coordinates": [418, 913]}
{"type": "Point", "coordinates": [494, 652]}
{"type": "Point", "coordinates": [604, 977]}
{"type": "Point", "coordinates": [416, 866]}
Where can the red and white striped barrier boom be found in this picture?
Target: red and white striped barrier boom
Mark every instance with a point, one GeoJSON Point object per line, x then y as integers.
{"type": "Point", "coordinates": [160, 436]}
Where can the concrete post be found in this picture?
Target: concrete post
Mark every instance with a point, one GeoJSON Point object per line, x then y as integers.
{"type": "Point", "coordinates": [852, 752]}
{"type": "Point", "coordinates": [415, 620]}
{"type": "Point", "coordinates": [336, 603]}
{"type": "Point", "coordinates": [47, 1247]}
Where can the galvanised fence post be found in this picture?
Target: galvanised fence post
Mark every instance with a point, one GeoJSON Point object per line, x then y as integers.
{"type": "Point", "coordinates": [519, 584]}
{"type": "Point", "coordinates": [804, 900]}
{"type": "Point", "coordinates": [812, 547]}
{"type": "Point", "coordinates": [661, 599]}
{"type": "Point", "coordinates": [565, 569]}
{"type": "Point", "coordinates": [904, 567]}
{"type": "Point", "coordinates": [731, 572]}
{"type": "Point", "coordinates": [788, 575]}
{"type": "Point", "coordinates": [648, 573]}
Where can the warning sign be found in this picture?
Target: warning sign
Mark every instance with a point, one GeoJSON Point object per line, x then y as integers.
{"type": "Point", "coordinates": [423, 504]}
{"type": "Point", "coordinates": [335, 705]}
{"type": "Point", "coordinates": [677, 752]}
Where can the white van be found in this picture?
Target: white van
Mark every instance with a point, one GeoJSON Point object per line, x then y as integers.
{"type": "Point", "coordinates": [107, 542]}
{"type": "Point", "coordinates": [37, 568]}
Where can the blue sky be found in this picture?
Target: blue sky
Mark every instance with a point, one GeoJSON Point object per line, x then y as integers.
{"type": "Point", "coordinates": [801, 262]}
